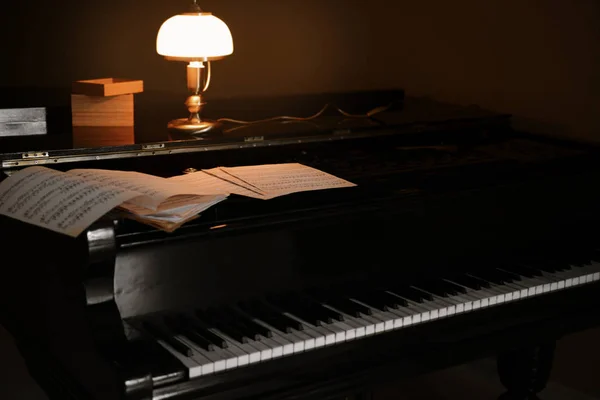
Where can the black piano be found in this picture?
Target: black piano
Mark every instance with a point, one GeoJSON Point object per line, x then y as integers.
{"type": "Point", "coordinates": [464, 238]}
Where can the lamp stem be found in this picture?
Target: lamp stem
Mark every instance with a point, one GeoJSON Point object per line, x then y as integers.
{"type": "Point", "coordinates": [197, 83]}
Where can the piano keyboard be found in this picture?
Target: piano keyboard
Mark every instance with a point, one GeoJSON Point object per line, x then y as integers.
{"type": "Point", "coordinates": [211, 341]}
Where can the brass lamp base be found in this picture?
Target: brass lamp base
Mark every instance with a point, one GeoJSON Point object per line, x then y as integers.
{"type": "Point", "coordinates": [193, 128]}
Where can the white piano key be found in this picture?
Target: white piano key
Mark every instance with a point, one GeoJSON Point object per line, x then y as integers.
{"type": "Point", "coordinates": [265, 351]}
{"type": "Point", "coordinates": [421, 312]}
{"type": "Point", "coordinates": [218, 356]}
{"type": "Point", "coordinates": [232, 346]}
{"type": "Point", "coordinates": [474, 296]}
{"type": "Point", "coordinates": [377, 318]}
{"type": "Point", "coordinates": [199, 355]}
{"type": "Point", "coordinates": [532, 285]}
{"type": "Point", "coordinates": [348, 326]}
{"type": "Point", "coordinates": [281, 338]}
{"type": "Point", "coordinates": [328, 335]}
{"type": "Point", "coordinates": [405, 315]}
{"type": "Point", "coordinates": [385, 319]}
{"type": "Point", "coordinates": [194, 369]}
{"type": "Point", "coordinates": [416, 314]}
{"type": "Point", "coordinates": [591, 269]}
{"type": "Point", "coordinates": [351, 325]}
{"type": "Point", "coordinates": [275, 346]}
{"type": "Point", "coordinates": [316, 333]}
{"type": "Point", "coordinates": [518, 289]}
{"type": "Point", "coordinates": [337, 330]}
{"type": "Point", "coordinates": [461, 302]}
{"type": "Point", "coordinates": [432, 309]}
{"type": "Point", "coordinates": [309, 341]}
{"type": "Point", "coordinates": [356, 325]}
{"type": "Point", "coordinates": [298, 343]}
{"type": "Point", "coordinates": [322, 336]}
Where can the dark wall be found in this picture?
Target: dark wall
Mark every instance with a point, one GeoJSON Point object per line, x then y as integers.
{"type": "Point", "coordinates": [537, 59]}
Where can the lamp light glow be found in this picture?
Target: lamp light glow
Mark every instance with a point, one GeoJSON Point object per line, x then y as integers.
{"type": "Point", "coordinates": [196, 37]}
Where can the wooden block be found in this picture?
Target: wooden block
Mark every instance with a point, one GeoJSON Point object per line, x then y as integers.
{"type": "Point", "coordinates": [102, 111]}
{"type": "Point", "coordinates": [98, 136]}
{"type": "Point", "coordinates": [107, 87]}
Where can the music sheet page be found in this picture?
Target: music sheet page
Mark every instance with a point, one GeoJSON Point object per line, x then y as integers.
{"type": "Point", "coordinates": [58, 201]}
{"type": "Point", "coordinates": [216, 181]}
{"type": "Point", "coordinates": [280, 179]}
{"type": "Point", "coordinates": [156, 189]}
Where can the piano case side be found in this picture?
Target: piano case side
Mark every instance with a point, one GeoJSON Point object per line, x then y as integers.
{"type": "Point", "coordinates": [61, 312]}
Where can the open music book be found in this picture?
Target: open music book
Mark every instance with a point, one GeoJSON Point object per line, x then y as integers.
{"type": "Point", "coordinates": [69, 202]}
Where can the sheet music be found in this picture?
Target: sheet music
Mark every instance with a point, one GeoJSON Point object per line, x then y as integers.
{"type": "Point", "coordinates": [174, 204]}
{"type": "Point", "coordinates": [58, 201]}
{"type": "Point", "coordinates": [156, 189]}
{"type": "Point", "coordinates": [216, 182]}
{"type": "Point", "coordinates": [280, 179]}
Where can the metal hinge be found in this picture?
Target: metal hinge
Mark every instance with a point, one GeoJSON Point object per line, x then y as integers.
{"type": "Point", "coordinates": [254, 138]}
{"type": "Point", "coordinates": [37, 154]}
{"type": "Point", "coordinates": [153, 146]}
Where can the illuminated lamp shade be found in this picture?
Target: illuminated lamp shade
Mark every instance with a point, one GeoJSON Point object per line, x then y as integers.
{"type": "Point", "coordinates": [198, 38]}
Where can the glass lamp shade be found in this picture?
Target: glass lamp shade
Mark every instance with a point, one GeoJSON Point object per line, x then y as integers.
{"type": "Point", "coordinates": [194, 37]}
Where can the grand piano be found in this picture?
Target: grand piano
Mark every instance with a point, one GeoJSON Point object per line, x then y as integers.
{"type": "Point", "coordinates": [464, 238]}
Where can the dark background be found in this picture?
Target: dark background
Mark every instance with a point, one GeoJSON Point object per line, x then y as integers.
{"type": "Point", "coordinates": [537, 59]}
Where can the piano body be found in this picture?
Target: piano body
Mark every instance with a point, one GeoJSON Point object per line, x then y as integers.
{"type": "Point", "coordinates": [464, 239]}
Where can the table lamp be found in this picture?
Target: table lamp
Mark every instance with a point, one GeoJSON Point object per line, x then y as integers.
{"type": "Point", "coordinates": [196, 37]}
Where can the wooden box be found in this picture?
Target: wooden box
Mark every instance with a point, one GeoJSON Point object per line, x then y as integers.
{"type": "Point", "coordinates": [101, 104]}
{"type": "Point", "coordinates": [107, 87]}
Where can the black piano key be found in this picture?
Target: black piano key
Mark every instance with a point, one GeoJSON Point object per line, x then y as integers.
{"type": "Point", "coordinates": [561, 266]}
{"type": "Point", "coordinates": [211, 319]}
{"type": "Point", "coordinates": [546, 265]}
{"type": "Point", "coordinates": [468, 281]}
{"type": "Point", "coordinates": [381, 300]}
{"type": "Point", "coordinates": [458, 289]}
{"type": "Point", "coordinates": [202, 330]}
{"type": "Point", "coordinates": [317, 306]}
{"type": "Point", "coordinates": [349, 307]}
{"type": "Point", "coordinates": [523, 270]}
{"type": "Point", "coordinates": [437, 287]}
{"type": "Point", "coordinates": [411, 293]}
{"type": "Point", "coordinates": [493, 275]}
{"type": "Point", "coordinates": [163, 334]}
{"type": "Point", "coordinates": [251, 330]}
{"type": "Point", "coordinates": [230, 326]}
{"type": "Point", "coordinates": [254, 327]}
{"type": "Point", "coordinates": [337, 298]}
{"type": "Point", "coordinates": [273, 317]}
{"type": "Point", "coordinates": [303, 309]}
{"type": "Point", "coordinates": [177, 324]}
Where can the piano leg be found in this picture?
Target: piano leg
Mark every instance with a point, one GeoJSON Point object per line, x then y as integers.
{"type": "Point", "coordinates": [524, 372]}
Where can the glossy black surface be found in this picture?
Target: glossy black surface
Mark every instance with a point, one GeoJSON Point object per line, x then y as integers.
{"type": "Point", "coordinates": [401, 115]}
{"type": "Point", "coordinates": [435, 211]}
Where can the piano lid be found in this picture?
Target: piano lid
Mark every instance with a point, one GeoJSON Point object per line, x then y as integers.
{"type": "Point", "coordinates": [403, 115]}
